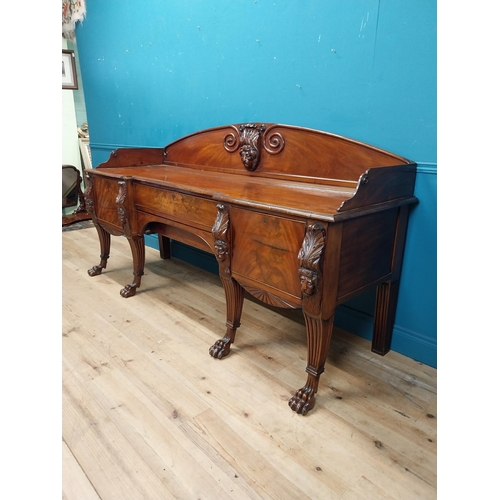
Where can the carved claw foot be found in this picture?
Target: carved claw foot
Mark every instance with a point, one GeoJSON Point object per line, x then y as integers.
{"type": "Point", "coordinates": [220, 349]}
{"type": "Point", "coordinates": [95, 271]}
{"type": "Point", "coordinates": [128, 290]}
{"type": "Point", "coordinates": [303, 401]}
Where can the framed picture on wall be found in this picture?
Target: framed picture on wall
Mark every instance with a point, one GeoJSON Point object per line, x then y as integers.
{"type": "Point", "coordinates": [69, 80]}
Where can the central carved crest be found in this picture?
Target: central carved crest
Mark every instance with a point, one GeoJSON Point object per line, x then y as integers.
{"type": "Point", "coordinates": [249, 138]}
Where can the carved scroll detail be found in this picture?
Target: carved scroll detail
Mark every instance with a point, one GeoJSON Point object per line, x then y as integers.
{"type": "Point", "coordinates": [310, 273]}
{"type": "Point", "coordinates": [221, 238]}
{"type": "Point", "coordinates": [273, 142]}
{"type": "Point", "coordinates": [232, 141]}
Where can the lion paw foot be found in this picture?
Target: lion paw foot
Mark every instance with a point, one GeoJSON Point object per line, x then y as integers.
{"type": "Point", "coordinates": [128, 290]}
{"type": "Point", "coordinates": [220, 349]}
{"type": "Point", "coordinates": [303, 401]}
{"type": "Point", "coordinates": [95, 271]}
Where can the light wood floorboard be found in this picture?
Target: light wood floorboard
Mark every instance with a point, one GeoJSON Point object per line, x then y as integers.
{"type": "Point", "coordinates": [149, 414]}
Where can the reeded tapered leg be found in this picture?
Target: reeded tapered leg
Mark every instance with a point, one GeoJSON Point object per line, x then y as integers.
{"type": "Point", "coordinates": [105, 243]}
{"type": "Point", "coordinates": [234, 305]}
{"type": "Point", "coordinates": [385, 312]}
{"type": "Point", "coordinates": [138, 254]}
{"type": "Point", "coordinates": [319, 334]}
{"type": "Point", "coordinates": [387, 293]}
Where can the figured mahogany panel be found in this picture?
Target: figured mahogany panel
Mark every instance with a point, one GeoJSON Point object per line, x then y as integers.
{"type": "Point", "coordinates": [265, 249]}
{"type": "Point", "coordinates": [283, 149]}
{"type": "Point", "coordinates": [186, 208]}
{"type": "Point", "coordinates": [105, 205]}
{"type": "Point", "coordinates": [255, 192]}
{"type": "Point", "coordinates": [128, 157]}
{"type": "Point", "coordinates": [367, 250]}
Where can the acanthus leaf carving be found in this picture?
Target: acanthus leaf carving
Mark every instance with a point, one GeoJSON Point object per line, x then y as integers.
{"type": "Point", "coordinates": [220, 232]}
{"type": "Point", "coordinates": [120, 202]}
{"type": "Point", "coordinates": [88, 195]}
{"type": "Point", "coordinates": [310, 263]}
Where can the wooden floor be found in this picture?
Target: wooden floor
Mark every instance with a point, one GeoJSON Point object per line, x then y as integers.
{"type": "Point", "coordinates": [149, 414]}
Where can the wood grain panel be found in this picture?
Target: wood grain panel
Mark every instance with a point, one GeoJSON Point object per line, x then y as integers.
{"type": "Point", "coordinates": [182, 207]}
{"type": "Point", "coordinates": [367, 247]}
{"type": "Point", "coordinates": [265, 248]}
{"type": "Point", "coordinates": [341, 158]}
{"type": "Point", "coordinates": [105, 205]}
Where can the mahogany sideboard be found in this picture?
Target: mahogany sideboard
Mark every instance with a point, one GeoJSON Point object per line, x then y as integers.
{"type": "Point", "coordinates": [297, 217]}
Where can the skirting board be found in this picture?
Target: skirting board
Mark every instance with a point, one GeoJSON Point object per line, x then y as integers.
{"type": "Point", "coordinates": [407, 342]}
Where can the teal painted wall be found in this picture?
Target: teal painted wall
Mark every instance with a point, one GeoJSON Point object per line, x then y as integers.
{"type": "Point", "coordinates": [156, 70]}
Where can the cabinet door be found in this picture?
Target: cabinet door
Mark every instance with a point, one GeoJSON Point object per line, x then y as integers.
{"type": "Point", "coordinates": [265, 250]}
{"type": "Point", "coordinates": [105, 204]}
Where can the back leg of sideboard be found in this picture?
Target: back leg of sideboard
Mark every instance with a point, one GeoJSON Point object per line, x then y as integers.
{"type": "Point", "coordinates": [164, 245]}
{"type": "Point", "coordinates": [105, 243]}
{"type": "Point", "coordinates": [138, 255]}
{"type": "Point", "coordinates": [387, 293]}
{"type": "Point", "coordinates": [385, 312]}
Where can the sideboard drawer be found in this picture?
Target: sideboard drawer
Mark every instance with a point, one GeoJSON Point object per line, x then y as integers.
{"type": "Point", "coordinates": [191, 210]}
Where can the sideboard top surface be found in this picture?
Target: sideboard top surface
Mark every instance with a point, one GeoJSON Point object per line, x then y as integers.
{"type": "Point", "coordinates": [298, 171]}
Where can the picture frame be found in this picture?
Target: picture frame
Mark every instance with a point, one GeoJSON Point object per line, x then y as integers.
{"type": "Point", "coordinates": [69, 79]}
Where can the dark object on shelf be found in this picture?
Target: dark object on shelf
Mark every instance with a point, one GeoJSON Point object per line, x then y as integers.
{"type": "Point", "coordinates": [72, 195]}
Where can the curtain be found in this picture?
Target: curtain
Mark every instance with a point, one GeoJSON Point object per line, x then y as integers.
{"type": "Point", "coordinates": [72, 12]}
